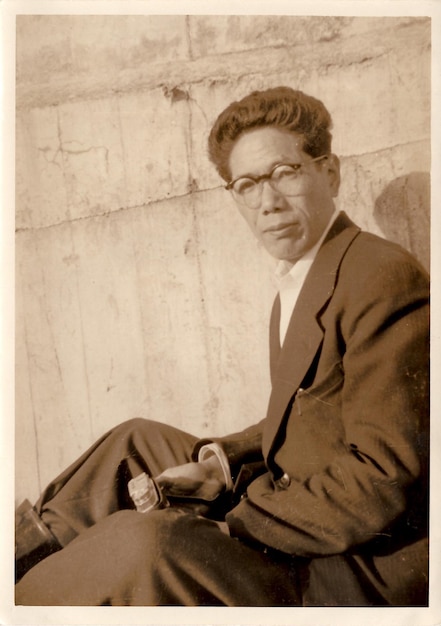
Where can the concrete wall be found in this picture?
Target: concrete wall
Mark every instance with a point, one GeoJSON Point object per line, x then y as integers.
{"type": "Point", "coordinates": [139, 289]}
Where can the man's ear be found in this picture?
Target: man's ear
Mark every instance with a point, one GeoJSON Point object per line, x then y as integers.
{"type": "Point", "coordinates": [332, 165]}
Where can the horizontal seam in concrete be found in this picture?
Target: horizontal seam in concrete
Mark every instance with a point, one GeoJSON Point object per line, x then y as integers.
{"type": "Point", "coordinates": [396, 146]}
{"type": "Point", "coordinates": [113, 211]}
{"type": "Point", "coordinates": [193, 192]}
{"type": "Point", "coordinates": [193, 72]}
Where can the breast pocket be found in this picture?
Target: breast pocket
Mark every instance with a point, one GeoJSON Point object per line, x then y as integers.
{"type": "Point", "coordinates": [325, 388]}
{"type": "Point", "coordinates": [314, 432]}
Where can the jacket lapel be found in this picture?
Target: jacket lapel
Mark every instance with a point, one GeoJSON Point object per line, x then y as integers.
{"type": "Point", "coordinates": [304, 335]}
{"type": "Point", "coordinates": [274, 338]}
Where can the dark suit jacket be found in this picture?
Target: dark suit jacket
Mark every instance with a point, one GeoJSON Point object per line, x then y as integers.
{"type": "Point", "coordinates": [345, 439]}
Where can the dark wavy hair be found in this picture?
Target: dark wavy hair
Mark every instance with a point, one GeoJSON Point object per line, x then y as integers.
{"type": "Point", "coordinates": [281, 107]}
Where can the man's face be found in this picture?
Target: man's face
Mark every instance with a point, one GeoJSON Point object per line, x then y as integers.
{"type": "Point", "coordinates": [287, 226]}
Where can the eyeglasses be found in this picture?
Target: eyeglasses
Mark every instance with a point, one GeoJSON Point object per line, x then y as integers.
{"type": "Point", "coordinates": [286, 178]}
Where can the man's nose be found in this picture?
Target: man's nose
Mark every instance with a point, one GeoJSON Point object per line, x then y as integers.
{"type": "Point", "coordinates": [271, 199]}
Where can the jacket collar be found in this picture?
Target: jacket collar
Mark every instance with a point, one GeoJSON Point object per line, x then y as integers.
{"type": "Point", "coordinates": [290, 364]}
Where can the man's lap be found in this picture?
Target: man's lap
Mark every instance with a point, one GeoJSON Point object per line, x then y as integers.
{"type": "Point", "coordinates": [165, 557]}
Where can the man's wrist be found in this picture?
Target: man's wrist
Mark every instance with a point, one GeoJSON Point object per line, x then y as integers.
{"type": "Point", "coordinates": [211, 450]}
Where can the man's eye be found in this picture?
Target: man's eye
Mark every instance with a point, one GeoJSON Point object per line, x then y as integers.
{"type": "Point", "coordinates": [244, 185]}
{"type": "Point", "coordinates": [285, 172]}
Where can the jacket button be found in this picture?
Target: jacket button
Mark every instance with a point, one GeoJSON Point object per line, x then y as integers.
{"type": "Point", "coordinates": [284, 482]}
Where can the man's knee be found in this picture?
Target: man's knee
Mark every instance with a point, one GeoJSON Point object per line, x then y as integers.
{"type": "Point", "coordinates": [136, 425]}
{"type": "Point", "coordinates": [141, 430]}
{"type": "Point", "coordinates": [153, 446]}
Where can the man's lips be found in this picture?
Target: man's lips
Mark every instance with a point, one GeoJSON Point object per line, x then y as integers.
{"type": "Point", "coordinates": [281, 229]}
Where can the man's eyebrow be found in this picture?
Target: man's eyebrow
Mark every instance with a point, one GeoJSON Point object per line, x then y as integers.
{"type": "Point", "coordinates": [280, 161]}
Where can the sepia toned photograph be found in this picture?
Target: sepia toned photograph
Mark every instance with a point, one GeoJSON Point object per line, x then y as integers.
{"type": "Point", "coordinates": [222, 233]}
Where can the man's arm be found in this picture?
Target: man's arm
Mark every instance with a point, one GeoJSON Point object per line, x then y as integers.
{"type": "Point", "coordinates": [239, 448]}
{"type": "Point", "coordinates": [370, 480]}
{"type": "Point", "coordinates": [216, 464]}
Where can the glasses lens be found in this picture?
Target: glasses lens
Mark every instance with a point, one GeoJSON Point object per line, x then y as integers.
{"type": "Point", "coordinates": [247, 191]}
{"type": "Point", "coordinates": [285, 178]}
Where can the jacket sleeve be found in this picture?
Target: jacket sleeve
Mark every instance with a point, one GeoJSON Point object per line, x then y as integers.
{"type": "Point", "coordinates": [371, 480]}
{"type": "Point", "coordinates": [240, 448]}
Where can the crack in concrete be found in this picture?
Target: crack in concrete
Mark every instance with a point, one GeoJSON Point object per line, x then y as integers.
{"type": "Point", "coordinates": [83, 218]}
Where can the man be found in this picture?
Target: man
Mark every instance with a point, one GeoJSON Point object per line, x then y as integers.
{"type": "Point", "coordinates": [324, 500]}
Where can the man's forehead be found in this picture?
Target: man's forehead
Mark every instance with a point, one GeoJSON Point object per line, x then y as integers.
{"type": "Point", "coordinates": [264, 147]}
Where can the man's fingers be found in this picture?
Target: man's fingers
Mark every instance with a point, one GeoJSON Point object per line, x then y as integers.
{"type": "Point", "coordinates": [181, 480]}
{"type": "Point", "coordinates": [190, 480]}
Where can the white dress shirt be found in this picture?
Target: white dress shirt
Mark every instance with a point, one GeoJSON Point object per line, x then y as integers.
{"type": "Point", "coordinates": [290, 278]}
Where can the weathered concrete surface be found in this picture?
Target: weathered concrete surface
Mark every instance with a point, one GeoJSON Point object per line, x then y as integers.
{"type": "Point", "coordinates": [402, 211]}
{"type": "Point", "coordinates": [140, 290]}
{"type": "Point", "coordinates": [149, 312]}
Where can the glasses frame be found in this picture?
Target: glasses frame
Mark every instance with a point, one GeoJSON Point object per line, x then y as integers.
{"type": "Point", "coordinates": [258, 179]}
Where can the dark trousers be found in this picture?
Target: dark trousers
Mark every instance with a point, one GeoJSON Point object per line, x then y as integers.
{"type": "Point", "coordinates": [113, 555]}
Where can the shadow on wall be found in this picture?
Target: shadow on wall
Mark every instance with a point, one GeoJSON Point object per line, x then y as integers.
{"type": "Point", "coordinates": [402, 211]}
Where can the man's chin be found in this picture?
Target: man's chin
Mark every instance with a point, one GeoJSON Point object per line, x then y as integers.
{"type": "Point", "coordinates": [284, 253]}
{"type": "Point", "coordinates": [284, 248]}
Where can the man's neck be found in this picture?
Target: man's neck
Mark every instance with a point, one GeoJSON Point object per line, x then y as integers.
{"type": "Point", "coordinates": [283, 267]}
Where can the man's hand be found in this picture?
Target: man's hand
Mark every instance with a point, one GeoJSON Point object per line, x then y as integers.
{"type": "Point", "coordinates": [203, 481]}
